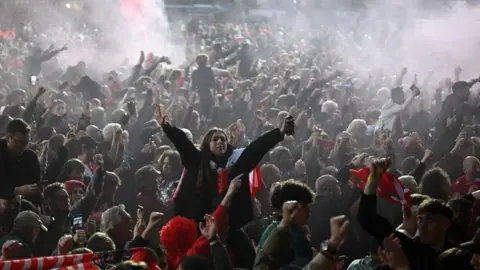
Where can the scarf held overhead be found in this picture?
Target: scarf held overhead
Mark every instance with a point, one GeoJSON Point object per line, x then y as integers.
{"type": "Point", "coordinates": [255, 176]}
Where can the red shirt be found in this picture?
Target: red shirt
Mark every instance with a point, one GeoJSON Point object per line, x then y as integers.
{"type": "Point", "coordinates": [463, 187]}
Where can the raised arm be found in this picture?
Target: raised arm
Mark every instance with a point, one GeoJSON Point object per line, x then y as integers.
{"type": "Point", "coordinates": [255, 151]}
{"type": "Point", "coordinates": [188, 152]}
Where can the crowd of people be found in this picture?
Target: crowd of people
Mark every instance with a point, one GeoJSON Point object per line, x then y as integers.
{"type": "Point", "coordinates": [257, 152]}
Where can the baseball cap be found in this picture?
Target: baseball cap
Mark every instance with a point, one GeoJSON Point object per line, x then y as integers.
{"type": "Point", "coordinates": [28, 219]}
{"type": "Point", "coordinates": [472, 245]}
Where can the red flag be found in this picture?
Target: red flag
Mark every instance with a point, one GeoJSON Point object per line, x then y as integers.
{"type": "Point", "coordinates": [389, 186]}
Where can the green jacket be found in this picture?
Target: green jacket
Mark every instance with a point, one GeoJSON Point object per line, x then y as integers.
{"type": "Point", "coordinates": [27, 246]}
{"type": "Point", "coordinates": [276, 251]}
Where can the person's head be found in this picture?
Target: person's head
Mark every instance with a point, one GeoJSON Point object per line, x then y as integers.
{"type": "Point", "coordinates": [409, 182]}
{"type": "Point", "coordinates": [94, 132]}
{"type": "Point", "coordinates": [89, 148]}
{"type": "Point", "coordinates": [170, 163]}
{"type": "Point", "coordinates": [188, 133]}
{"type": "Point", "coordinates": [397, 95]}
{"type": "Point", "coordinates": [358, 128]}
{"type": "Point", "coordinates": [147, 179]}
{"type": "Point", "coordinates": [76, 190]}
{"type": "Point", "coordinates": [383, 94]}
{"type": "Point", "coordinates": [281, 157]}
{"type": "Point", "coordinates": [28, 225]}
{"type": "Point", "coordinates": [215, 142]}
{"type": "Point", "coordinates": [17, 97]}
{"type": "Point", "coordinates": [327, 185]}
{"type": "Point", "coordinates": [202, 60]}
{"type": "Point", "coordinates": [409, 164]}
{"type": "Point", "coordinates": [293, 190]}
{"type": "Point", "coordinates": [57, 198]}
{"type": "Point", "coordinates": [98, 117]}
{"type": "Point", "coordinates": [270, 174]}
{"type": "Point", "coordinates": [80, 250]}
{"type": "Point", "coordinates": [433, 220]}
{"type": "Point", "coordinates": [72, 169]}
{"type": "Point", "coordinates": [95, 103]}
{"type": "Point", "coordinates": [109, 131]}
{"type": "Point", "coordinates": [329, 107]}
{"type": "Point", "coordinates": [462, 211]}
{"type": "Point", "coordinates": [129, 265]}
{"type": "Point", "coordinates": [462, 90]}
{"type": "Point", "coordinates": [18, 136]}
{"type": "Point", "coordinates": [117, 223]}
{"type": "Point", "coordinates": [59, 107]}
{"type": "Point", "coordinates": [100, 242]}
{"type": "Point", "coordinates": [194, 262]}
{"type": "Point", "coordinates": [471, 167]}
{"type": "Point", "coordinates": [436, 184]}
{"type": "Point", "coordinates": [454, 258]}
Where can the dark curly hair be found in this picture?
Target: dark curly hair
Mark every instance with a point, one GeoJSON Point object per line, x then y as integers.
{"type": "Point", "coordinates": [436, 184]}
{"type": "Point", "coordinates": [290, 190]}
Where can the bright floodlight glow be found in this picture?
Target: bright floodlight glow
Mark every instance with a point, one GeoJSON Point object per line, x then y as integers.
{"type": "Point", "coordinates": [67, 5]}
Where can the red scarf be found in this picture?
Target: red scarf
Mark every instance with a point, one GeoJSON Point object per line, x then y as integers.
{"type": "Point", "coordinates": [255, 179]}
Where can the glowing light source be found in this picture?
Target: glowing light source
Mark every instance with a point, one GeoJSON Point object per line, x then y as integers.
{"type": "Point", "coordinates": [67, 5]}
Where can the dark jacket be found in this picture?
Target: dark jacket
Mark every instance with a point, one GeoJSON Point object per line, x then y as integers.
{"type": "Point", "coordinates": [62, 224]}
{"type": "Point", "coordinates": [17, 171]}
{"type": "Point", "coordinates": [419, 255]}
{"type": "Point", "coordinates": [193, 202]}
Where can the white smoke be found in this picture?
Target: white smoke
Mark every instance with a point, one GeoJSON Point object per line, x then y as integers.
{"type": "Point", "coordinates": [102, 36]}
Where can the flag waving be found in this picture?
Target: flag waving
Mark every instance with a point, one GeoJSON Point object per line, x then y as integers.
{"type": "Point", "coordinates": [389, 187]}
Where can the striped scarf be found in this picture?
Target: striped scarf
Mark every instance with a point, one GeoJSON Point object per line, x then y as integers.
{"type": "Point", "coordinates": [102, 260]}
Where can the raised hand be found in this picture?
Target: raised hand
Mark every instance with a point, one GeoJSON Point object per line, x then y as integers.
{"type": "Point", "coordinates": [155, 219]}
{"type": "Point", "coordinates": [379, 166]}
{"type": "Point", "coordinates": [40, 92]}
{"type": "Point", "coordinates": [288, 127]}
{"type": "Point", "coordinates": [11, 249]}
{"type": "Point", "coordinates": [290, 211]}
{"type": "Point", "coordinates": [209, 228]}
{"type": "Point", "coordinates": [65, 244]}
{"type": "Point", "coordinates": [235, 185]}
{"type": "Point", "coordinates": [161, 119]}
{"type": "Point", "coordinates": [140, 224]}
{"type": "Point", "coordinates": [338, 230]}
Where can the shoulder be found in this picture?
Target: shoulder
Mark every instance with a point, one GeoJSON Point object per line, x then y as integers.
{"type": "Point", "coordinates": [30, 155]}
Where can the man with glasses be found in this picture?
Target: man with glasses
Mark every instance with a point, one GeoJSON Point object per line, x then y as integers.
{"type": "Point", "coordinates": [19, 166]}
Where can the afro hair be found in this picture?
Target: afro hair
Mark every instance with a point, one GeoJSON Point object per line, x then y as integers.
{"type": "Point", "coordinates": [290, 190]}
